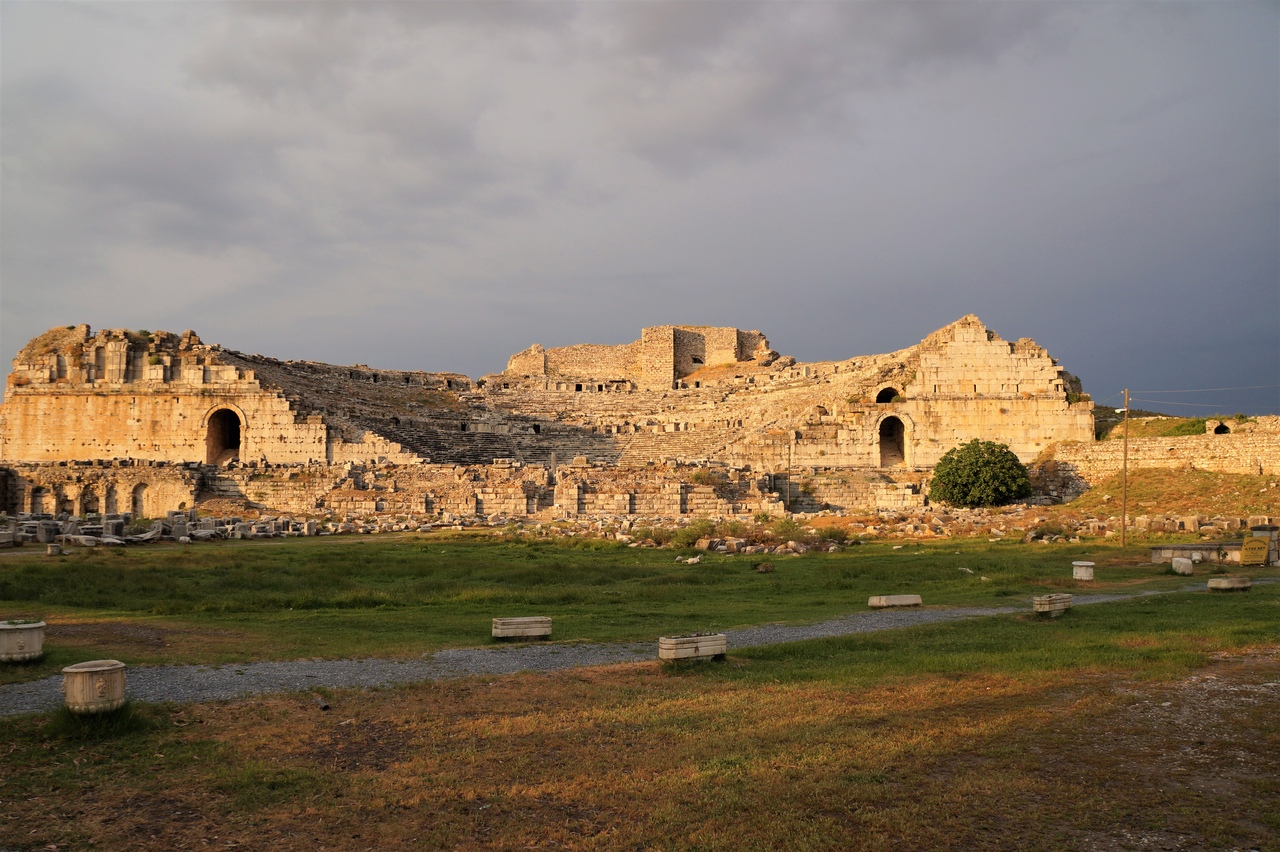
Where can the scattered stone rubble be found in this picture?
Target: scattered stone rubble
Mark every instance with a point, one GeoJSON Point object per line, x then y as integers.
{"type": "Point", "coordinates": [826, 531]}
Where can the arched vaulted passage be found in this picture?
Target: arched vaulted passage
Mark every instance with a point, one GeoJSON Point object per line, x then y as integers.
{"type": "Point", "coordinates": [1221, 429]}
{"type": "Point", "coordinates": [887, 395]}
{"type": "Point", "coordinates": [222, 438]}
{"type": "Point", "coordinates": [139, 501]}
{"type": "Point", "coordinates": [893, 442]}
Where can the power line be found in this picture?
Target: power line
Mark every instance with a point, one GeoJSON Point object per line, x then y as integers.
{"type": "Point", "coordinates": [1210, 390]}
{"type": "Point", "coordinates": [1217, 405]}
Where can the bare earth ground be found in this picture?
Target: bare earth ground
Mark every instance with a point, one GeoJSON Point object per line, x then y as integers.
{"type": "Point", "coordinates": [639, 757]}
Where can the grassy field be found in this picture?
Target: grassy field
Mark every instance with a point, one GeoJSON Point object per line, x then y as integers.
{"type": "Point", "coordinates": [1180, 492]}
{"type": "Point", "coordinates": [410, 594]}
{"type": "Point", "coordinates": [1148, 723]}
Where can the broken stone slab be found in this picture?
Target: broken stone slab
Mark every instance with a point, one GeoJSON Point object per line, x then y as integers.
{"type": "Point", "coordinates": [531, 626]}
{"type": "Point", "coordinates": [1052, 605]}
{"type": "Point", "coordinates": [1183, 566]}
{"type": "Point", "coordinates": [885, 601]}
{"type": "Point", "coordinates": [1230, 584]}
{"type": "Point", "coordinates": [697, 646]}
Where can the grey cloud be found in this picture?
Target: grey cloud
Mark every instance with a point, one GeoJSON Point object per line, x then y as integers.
{"type": "Point", "coordinates": [438, 184]}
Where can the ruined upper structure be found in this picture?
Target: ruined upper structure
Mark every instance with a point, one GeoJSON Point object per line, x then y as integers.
{"type": "Point", "coordinates": [686, 393]}
{"type": "Point", "coordinates": [662, 356]}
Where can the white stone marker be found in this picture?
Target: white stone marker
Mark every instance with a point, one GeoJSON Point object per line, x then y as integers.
{"type": "Point", "coordinates": [1052, 605]}
{"type": "Point", "coordinates": [1183, 566]}
{"type": "Point", "coordinates": [1230, 584]}
{"type": "Point", "coordinates": [521, 627]}
{"type": "Point", "coordinates": [884, 601]}
{"type": "Point", "coordinates": [692, 647]}
{"type": "Point", "coordinates": [1082, 570]}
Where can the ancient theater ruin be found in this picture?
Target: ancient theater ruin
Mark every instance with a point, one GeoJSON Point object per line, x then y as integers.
{"type": "Point", "coordinates": [684, 421]}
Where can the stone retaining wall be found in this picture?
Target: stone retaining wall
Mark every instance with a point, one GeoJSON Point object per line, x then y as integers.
{"type": "Point", "coordinates": [1255, 453]}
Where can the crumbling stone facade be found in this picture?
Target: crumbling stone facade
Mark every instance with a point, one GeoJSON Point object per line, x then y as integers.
{"type": "Point", "coordinates": [657, 361]}
{"type": "Point", "coordinates": [576, 430]}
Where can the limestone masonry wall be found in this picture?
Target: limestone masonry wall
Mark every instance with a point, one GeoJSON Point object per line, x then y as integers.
{"type": "Point", "coordinates": [1242, 452]}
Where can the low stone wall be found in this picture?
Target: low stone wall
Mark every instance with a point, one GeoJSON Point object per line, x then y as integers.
{"type": "Point", "coordinates": [147, 489]}
{"type": "Point", "coordinates": [1256, 453]}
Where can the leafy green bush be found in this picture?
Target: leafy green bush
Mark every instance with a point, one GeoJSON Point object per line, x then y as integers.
{"type": "Point", "coordinates": [705, 476]}
{"type": "Point", "coordinates": [788, 529]}
{"type": "Point", "coordinates": [979, 473]}
{"type": "Point", "coordinates": [688, 536]}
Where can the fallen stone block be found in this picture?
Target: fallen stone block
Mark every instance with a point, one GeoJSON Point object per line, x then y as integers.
{"type": "Point", "coordinates": [1230, 584]}
{"type": "Point", "coordinates": [532, 626]}
{"type": "Point", "coordinates": [1052, 605]}
{"type": "Point", "coordinates": [1183, 566]}
{"type": "Point", "coordinates": [885, 601]}
{"type": "Point", "coordinates": [697, 646]}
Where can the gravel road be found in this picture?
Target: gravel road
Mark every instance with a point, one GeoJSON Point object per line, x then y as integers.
{"type": "Point", "coordinates": [212, 683]}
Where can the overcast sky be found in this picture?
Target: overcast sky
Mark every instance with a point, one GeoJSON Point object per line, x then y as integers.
{"type": "Point", "coordinates": [437, 185]}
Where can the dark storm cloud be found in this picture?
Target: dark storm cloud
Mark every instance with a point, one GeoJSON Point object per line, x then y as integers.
{"type": "Point", "coordinates": [439, 184]}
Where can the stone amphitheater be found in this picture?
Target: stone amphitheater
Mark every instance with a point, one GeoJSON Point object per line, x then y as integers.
{"type": "Point", "coordinates": [685, 421]}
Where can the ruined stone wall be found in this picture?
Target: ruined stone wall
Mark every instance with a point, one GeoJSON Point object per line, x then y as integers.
{"type": "Point", "coordinates": [975, 361]}
{"type": "Point", "coordinates": [153, 420]}
{"type": "Point", "coordinates": [530, 362]}
{"type": "Point", "coordinates": [657, 358]}
{"type": "Point", "coordinates": [593, 361]}
{"type": "Point", "coordinates": [1245, 452]}
{"type": "Point", "coordinates": [148, 489]}
{"type": "Point", "coordinates": [1026, 424]}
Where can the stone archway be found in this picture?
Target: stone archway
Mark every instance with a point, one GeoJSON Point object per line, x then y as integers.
{"type": "Point", "coordinates": [1221, 429]}
{"type": "Point", "coordinates": [39, 495]}
{"type": "Point", "coordinates": [888, 394]}
{"type": "Point", "coordinates": [110, 504]}
{"type": "Point", "coordinates": [138, 503]}
{"type": "Point", "coordinates": [893, 442]}
{"type": "Point", "coordinates": [89, 504]}
{"type": "Point", "coordinates": [222, 437]}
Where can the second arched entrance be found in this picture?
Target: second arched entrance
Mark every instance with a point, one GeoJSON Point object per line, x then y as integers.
{"type": "Point", "coordinates": [893, 442]}
{"type": "Point", "coordinates": [222, 439]}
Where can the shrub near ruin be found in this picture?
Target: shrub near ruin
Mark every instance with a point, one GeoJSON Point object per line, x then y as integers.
{"type": "Point", "coordinates": [979, 473]}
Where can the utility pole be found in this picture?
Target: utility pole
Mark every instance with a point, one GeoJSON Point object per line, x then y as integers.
{"type": "Point", "coordinates": [1124, 475]}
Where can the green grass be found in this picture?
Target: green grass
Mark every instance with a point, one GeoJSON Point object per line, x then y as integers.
{"type": "Point", "coordinates": [1159, 636]}
{"type": "Point", "coordinates": [1004, 732]}
{"type": "Point", "coordinates": [407, 595]}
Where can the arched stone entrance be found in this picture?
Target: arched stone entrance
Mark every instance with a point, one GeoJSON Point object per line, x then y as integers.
{"type": "Point", "coordinates": [1221, 429]}
{"type": "Point", "coordinates": [39, 495]}
{"type": "Point", "coordinates": [139, 501]}
{"type": "Point", "coordinates": [222, 438]}
{"type": "Point", "coordinates": [888, 395]}
{"type": "Point", "coordinates": [893, 442]}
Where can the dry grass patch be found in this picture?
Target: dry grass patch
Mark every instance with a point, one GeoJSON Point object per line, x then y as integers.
{"type": "Point", "coordinates": [637, 757]}
{"type": "Point", "coordinates": [1182, 492]}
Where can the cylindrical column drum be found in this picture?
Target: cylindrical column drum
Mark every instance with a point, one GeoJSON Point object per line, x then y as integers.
{"type": "Point", "coordinates": [1082, 570]}
{"type": "Point", "coordinates": [94, 687]}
